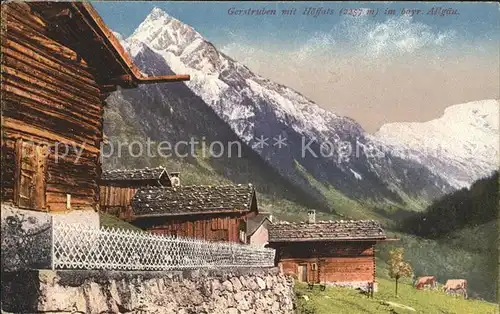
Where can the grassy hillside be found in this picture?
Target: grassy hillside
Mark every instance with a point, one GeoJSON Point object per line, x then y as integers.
{"type": "Point", "coordinates": [469, 254]}
{"type": "Point", "coordinates": [110, 221]}
{"type": "Point", "coordinates": [348, 301]}
{"type": "Point", "coordinates": [458, 237]}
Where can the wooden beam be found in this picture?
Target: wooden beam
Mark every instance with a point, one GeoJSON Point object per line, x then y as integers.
{"type": "Point", "coordinates": [125, 81]}
{"type": "Point", "coordinates": [57, 13]}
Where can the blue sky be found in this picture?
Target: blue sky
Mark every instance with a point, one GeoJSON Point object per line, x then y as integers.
{"type": "Point", "coordinates": [383, 68]}
{"type": "Point", "coordinates": [475, 20]}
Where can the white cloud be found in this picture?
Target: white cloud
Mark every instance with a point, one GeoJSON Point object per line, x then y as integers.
{"type": "Point", "coordinates": [356, 36]}
{"type": "Point", "coordinates": [399, 36]}
{"type": "Point", "coordinates": [317, 44]}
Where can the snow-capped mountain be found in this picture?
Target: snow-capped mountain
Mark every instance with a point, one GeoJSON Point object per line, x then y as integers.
{"type": "Point", "coordinates": [462, 145]}
{"type": "Point", "coordinates": [306, 144]}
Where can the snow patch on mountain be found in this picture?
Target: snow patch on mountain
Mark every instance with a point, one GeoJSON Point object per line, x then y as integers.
{"type": "Point", "coordinates": [186, 51]}
{"type": "Point", "coordinates": [356, 175]}
{"type": "Point", "coordinates": [462, 145]}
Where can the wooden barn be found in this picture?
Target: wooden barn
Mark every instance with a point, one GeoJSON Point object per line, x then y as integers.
{"type": "Point", "coordinates": [331, 253]}
{"type": "Point", "coordinates": [117, 187]}
{"type": "Point", "coordinates": [214, 213]}
{"type": "Point", "coordinates": [59, 63]}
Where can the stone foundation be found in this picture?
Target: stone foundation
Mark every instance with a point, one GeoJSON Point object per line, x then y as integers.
{"type": "Point", "coordinates": [26, 238]}
{"type": "Point", "coordinates": [256, 291]}
{"type": "Point", "coordinates": [27, 235]}
{"type": "Point", "coordinates": [353, 285]}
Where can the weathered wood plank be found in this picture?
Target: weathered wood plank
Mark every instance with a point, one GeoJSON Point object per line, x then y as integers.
{"type": "Point", "coordinates": [47, 71]}
{"type": "Point", "coordinates": [36, 89]}
{"type": "Point", "coordinates": [21, 127]}
{"type": "Point", "coordinates": [61, 207]}
{"type": "Point", "coordinates": [17, 106]}
{"type": "Point", "coordinates": [61, 198]}
{"type": "Point", "coordinates": [37, 34]}
{"type": "Point", "coordinates": [23, 48]}
{"type": "Point", "coordinates": [85, 157]}
{"type": "Point", "coordinates": [41, 174]}
{"type": "Point", "coordinates": [49, 76]}
{"type": "Point", "coordinates": [22, 9]}
{"type": "Point", "coordinates": [56, 176]}
{"type": "Point", "coordinates": [82, 189]}
{"type": "Point", "coordinates": [22, 110]}
{"type": "Point", "coordinates": [17, 171]}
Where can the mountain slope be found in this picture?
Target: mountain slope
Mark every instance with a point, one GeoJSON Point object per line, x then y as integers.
{"type": "Point", "coordinates": [467, 207]}
{"type": "Point", "coordinates": [459, 237]}
{"type": "Point", "coordinates": [171, 113]}
{"type": "Point", "coordinates": [462, 144]}
{"type": "Point", "coordinates": [332, 150]}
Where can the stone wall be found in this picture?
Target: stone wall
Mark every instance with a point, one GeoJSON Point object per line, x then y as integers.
{"type": "Point", "coordinates": [27, 235]}
{"type": "Point", "coordinates": [249, 291]}
{"type": "Point", "coordinates": [26, 238]}
{"type": "Point", "coordinates": [353, 285]}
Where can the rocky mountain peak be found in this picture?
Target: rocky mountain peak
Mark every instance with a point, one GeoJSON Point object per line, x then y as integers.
{"type": "Point", "coordinates": [163, 32]}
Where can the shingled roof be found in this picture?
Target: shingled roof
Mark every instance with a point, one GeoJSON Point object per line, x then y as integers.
{"type": "Point", "coordinates": [134, 174]}
{"type": "Point", "coordinates": [255, 222]}
{"type": "Point", "coordinates": [339, 230]}
{"type": "Point", "coordinates": [182, 200]}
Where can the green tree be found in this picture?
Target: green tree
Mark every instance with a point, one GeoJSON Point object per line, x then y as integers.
{"type": "Point", "coordinates": [398, 267]}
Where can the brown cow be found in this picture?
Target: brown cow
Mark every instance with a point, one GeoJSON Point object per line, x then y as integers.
{"type": "Point", "coordinates": [424, 281]}
{"type": "Point", "coordinates": [456, 286]}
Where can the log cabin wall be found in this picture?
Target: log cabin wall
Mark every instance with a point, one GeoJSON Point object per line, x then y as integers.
{"type": "Point", "coordinates": [49, 95]}
{"type": "Point", "coordinates": [115, 197]}
{"type": "Point", "coordinates": [118, 186]}
{"type": "Point", "coordinates": [330, 262]}
{"type": "Point", "coordinates": [207, 227]}
{"type": "Point", "coordinates": [116, 200]}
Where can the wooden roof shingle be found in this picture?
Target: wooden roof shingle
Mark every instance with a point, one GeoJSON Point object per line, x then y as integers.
{"type": "Point", "coordinates": [134, 174]}
{"type": "Point", "coordinates": [340, 230]}
{"type": "Point", "coordinates": [188, 200]}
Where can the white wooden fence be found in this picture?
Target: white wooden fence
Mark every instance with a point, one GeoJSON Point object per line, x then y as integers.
{"type": "Point", "coordinates": [77, 246]}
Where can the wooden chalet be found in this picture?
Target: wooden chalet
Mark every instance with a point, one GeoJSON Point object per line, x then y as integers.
{"type": "Point", "coordinates": [256, 230]}
{"type": "Point", "coordinates": [328, 253]}
{"type": "Point", "coordinates": [214, 213]}
{"type": "Point", "coordinates": [59, 63]}
{"type": "Point", "coordinates": [117, 187]}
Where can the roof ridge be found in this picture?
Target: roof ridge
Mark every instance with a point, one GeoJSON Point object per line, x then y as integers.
{"type": "Point", "coordinates": [338, 230]}
{"type": "Point", "coordinates": [192, 198]}
{"type": "Point", "coordinates": [134, 169]}
{"type": "Point", "coordinates": [201, 186]}
{"type": "Point", "coordinates": [285, 223]}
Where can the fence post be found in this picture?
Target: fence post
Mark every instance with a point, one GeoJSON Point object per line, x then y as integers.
{"type": "Point", "coordinates": [52, 249]}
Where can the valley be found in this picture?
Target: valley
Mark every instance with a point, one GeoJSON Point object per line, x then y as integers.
{"type": "Point", "coordinates": [226, 102]}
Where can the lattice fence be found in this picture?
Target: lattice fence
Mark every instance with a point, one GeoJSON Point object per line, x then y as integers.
{"type": "Point", "coordinates": [77, 246]}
